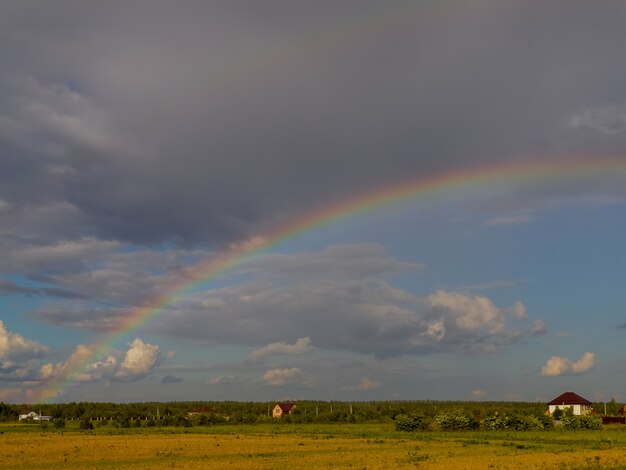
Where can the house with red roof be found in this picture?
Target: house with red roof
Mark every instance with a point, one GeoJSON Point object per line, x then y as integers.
{"type": "Point", "coordinates": [282, 409]}
{"type": "Point", "coordinates": [579, 405]}
{"type": "Point", "coordinates": [201, 411]}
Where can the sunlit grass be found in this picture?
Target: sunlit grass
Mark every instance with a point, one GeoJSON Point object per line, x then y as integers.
{"type": "Point", "coordinates": [274, 445]}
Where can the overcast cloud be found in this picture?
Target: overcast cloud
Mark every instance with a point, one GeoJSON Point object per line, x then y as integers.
{"type": "Point", "coordinates": [140, 138]}
{"type": "Point", "coordinates": [138, 129]}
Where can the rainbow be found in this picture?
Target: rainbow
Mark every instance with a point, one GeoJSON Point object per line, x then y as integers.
{"type": "Point", "coordinates": [354, 30]}
{"type": "Point", "coordinates": [237, 254]}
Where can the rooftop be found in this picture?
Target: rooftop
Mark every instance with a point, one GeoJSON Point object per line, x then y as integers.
{"type": "Point", "coordinates": [569, 398]}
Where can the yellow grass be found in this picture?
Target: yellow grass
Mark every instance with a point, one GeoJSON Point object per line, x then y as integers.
{"type": "Point", "coordinates": [28, 450]}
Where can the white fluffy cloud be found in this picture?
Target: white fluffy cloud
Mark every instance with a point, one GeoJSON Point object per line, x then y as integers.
{"type": "Point", "coordinates": [138, 361]}
{"type": "Point", "coordinates": [301, 346]}
{"type": "Point", "coordinates": [518, 310]}
{"type": "Point", "coordinates": [562, 366]}
{"type": "Point", "coordinates": [133, 364]}
{"type": "Point", "coordinates": [15, 347]}
{"type": "Point", "coordinates": [279, 377]}
{"type": "Point", "coordinates": [91, 372]}
{"type": "Point", "coordinates": [471, 313]}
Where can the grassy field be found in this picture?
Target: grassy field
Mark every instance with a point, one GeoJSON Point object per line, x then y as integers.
{"type": "Point", "coordinates": [373, 446]}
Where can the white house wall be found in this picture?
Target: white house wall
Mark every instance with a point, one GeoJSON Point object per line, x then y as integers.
{"type": "Point", "coordinates": [577, 409]}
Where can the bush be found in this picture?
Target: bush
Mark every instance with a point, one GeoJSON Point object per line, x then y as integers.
{"type": "Point", "coordinates": [85, 423]}
{"type": "Point", "coordinates": [411, 423]}
{"type": "Point", "coordinates": [495, 422]}
{"type": "Point", "coordinates": [530, 423]}
{"type": "Point", "coordinates": [250, 418]}
{"type": "Point", "coordinates": [185, 423]}
{"type": "Point", "coordinates": [590, 421]}
{"type": "Point", "coordinates": [122, 422]}
{"type": "Point", "coordinates": [166, 421]}
{"type": "Point", "coordinates": [546, 421]}
{"type": "Point", "coordinates": [568, 420]}
{"type": "Point", "coordinates": [59, 423]}
{"type": "Point", "coordinates": [455, 421]}
{"type": "Point", "coordinates": [571, 422]}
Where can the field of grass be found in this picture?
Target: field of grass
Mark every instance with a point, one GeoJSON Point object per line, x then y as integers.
{"type": "Point", "coordinates": [371, 446]}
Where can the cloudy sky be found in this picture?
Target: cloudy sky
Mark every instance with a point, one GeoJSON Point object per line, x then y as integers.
{"type": "Point", "coordinates": [139, 140]}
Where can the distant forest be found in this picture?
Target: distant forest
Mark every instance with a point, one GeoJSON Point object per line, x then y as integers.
{"type": "Point", "coordinates": [231, 412]}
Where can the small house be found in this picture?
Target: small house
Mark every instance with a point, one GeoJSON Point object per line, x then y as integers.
{"type": "Point", "coordinates": [579, 405]}
{"type": "Point", "coordinates": [27, 415]}
{"type": "Point", "coordinates": [205, 410]}
{"type": "Point", "coordinates": [282, 409]}
{"type": "Point", "coordinates": [31, 415]}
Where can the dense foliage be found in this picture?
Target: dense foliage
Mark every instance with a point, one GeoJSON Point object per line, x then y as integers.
{"type": "Point", "coordinates": [569, 421]}
{"type": "Point", "coordinates": [407, 415]}
{"type": "Point", "coordinates": [461, 420]}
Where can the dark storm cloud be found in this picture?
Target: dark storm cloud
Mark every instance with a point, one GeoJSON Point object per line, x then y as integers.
{"type": "Point", "coordinates": [365, 316]}
{"type": "Point", "coordinates": [81, 316]}
{"type": "Point", "coordinates": [93, 270]}
{"type": "Point", "coordinates": [199, 122]}
{"type": "Point", "coordinates": [11, 288]}
{"type": "Point", "coordinates": [351, 308]}
{"type": "Point", "coordinates": [124, 280]}
{"type": "Point", "coordinates": [355, 311]}
{"type": "Point", "coordinates": [336, 262]}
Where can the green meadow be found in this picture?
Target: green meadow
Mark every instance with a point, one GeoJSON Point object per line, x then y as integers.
{"type": "Point", "coordinates": [279, 445]}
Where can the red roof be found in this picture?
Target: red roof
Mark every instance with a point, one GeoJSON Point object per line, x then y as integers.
{"type": "Point", "coordinates": [570, 398]}
{"type": "Point", "coordinates": [203, 410]}
{"type": "Point", "coordinates": [286, 407]}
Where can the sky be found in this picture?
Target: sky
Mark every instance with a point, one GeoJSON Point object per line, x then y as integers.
{"type": "Point", "coordinates": [278, 200]}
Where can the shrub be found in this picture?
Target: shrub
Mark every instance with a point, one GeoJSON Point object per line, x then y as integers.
{"type": "Point", "coordinates": [546, 421]}
{"type": "Point", "coordinates": [495, 422]}
{"type": "Point", "coordinates": [530, 423]}
{"type": "Point", "coordinates": [122, 422]}
{"type": "Point", "coordinates": [411, 423]}
{"type": "Point", "coordinates": [572, 422]}
{"type": "Point", "coordinates": [166, 421]}
{"type": "Point", "coordinates": [590, 421]}
{"type": "Point", "coordinates": [185, 423]}
{"type": "Point", "coordinates": [455, 421]}
{"type": "Point", "coordinates": [59, 423]}
{"type": "Point", "coordinates": [85, 423]}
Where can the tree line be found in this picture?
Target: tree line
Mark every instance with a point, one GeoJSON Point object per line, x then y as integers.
{"type": "Point", "coordinates": [460, 420]}
{"type": "Point", "coordinates": [306, 411]}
